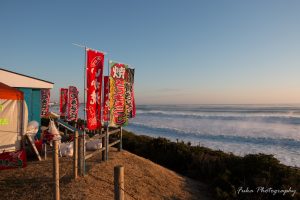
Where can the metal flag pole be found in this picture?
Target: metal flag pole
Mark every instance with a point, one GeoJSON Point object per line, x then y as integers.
{"type": "Point", "coordinates": [84, 110]}
{"type": "Point", "coordinates": [85, 47]}
{"type": "Point", "coordinates": [108, 113]}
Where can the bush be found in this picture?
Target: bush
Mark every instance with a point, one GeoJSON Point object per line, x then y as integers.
{"type": "Point", "coordinates": [229, 176]}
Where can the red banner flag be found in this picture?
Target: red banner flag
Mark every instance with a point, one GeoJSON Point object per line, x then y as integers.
{"type": "Point", "coordinates": [118, 113]}
{"type": "Point", "coordinates": [94, 74]}
{"type": "Point", "coordinates": [45, 99]}
{"type": "Point", "coordinates": [129, 95]}
{"type": "Point", "coordinates": [105, 106]}
{"type": "Point", "coordinates": [63, 101]}
{"type": "Point", "coordinates": [16, 159]}
{"type": "Point", "coordinates": [73, 104]}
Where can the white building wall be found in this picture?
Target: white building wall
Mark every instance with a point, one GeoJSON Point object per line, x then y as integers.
{"type": "Point", "coordinates": [17, 80]}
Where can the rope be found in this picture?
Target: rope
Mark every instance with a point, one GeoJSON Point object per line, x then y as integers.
{"type": "Point", "coordinates": [110, 183]}
{"type": "Point", "coordinates": [17, 182]}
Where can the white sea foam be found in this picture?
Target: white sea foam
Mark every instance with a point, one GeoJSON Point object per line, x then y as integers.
{"type": "Point", "coordinates": [256, 116]}
{"type": "Point", "coordinates": [238, 129]}
{"type": "Point", "coordinates": [220, 127]}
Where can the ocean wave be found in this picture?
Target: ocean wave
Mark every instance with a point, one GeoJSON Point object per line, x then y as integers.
{"type": "Point", "coordinates": [295, 109]}
{"type": "Point", "coordinates": [286, 118]}
{"type": "Point", "coordinates": [176, 132]}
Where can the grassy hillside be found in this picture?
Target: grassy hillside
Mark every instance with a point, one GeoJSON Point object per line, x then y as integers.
{"type": "Point", "coordinates": [230, 177]}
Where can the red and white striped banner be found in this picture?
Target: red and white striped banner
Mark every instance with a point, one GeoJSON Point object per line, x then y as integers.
{"type": "Point", "coordinates": [73, 104]}
{"type": "Point", "coordinates": [94, 74]}
{"type": "Point", "coordinates": [45, 99]}
{"type": "Point", "coordinates": [63, 103]}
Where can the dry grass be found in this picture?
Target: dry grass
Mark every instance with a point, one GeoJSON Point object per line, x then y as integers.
{"type": "Point", "coordinates": [143, 180]}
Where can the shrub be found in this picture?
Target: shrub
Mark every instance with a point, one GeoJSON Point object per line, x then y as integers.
{"type": "Point", "coordinates": [225, 173]}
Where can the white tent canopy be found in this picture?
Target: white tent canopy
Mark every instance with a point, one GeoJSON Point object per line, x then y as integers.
{"type": "Point", "coordinates": [13, 118]}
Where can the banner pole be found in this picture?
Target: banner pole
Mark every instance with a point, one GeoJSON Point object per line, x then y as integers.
{"type": "Point", "coordinates": [84, 110]}
{"type": "Point", "coordinates": [85, 47]}
{"type": "Point", "coordinates": [108, 115]}
{"type": "Point", "coordinates": [108, 83]}
{"type": "Point", "coordinates": [102, 95]}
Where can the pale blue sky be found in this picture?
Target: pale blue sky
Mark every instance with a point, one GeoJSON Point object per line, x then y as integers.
{"type": "Point", "coordinates": [183, 51]}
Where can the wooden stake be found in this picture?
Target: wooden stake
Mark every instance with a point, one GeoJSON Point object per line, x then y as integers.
{"type": "Point", "coordinates": [45, 150]}
{"type": "Point", "coordinates": [104, 146]}
{"type": "Point", "coordinates": [56, 170]}
{"type": "Point", "coordinates": [80, 156]}
{"type": "Point", "coordinates": [119, 182]}
{"type": "Point", "coordinates": [99, 132]}
{"type": "Point", "coordinates": [75, 155]}
{"type": "Point", "coordinates": [120, 145]}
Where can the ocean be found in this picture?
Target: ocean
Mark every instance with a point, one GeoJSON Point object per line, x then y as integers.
{"type": "Point", "coordinates": [239, 129]}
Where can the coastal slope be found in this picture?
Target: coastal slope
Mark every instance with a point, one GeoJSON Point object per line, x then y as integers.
{"type": "Point", "coordinates": [143, 180]}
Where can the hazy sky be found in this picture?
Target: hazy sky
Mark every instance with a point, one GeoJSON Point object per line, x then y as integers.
{"type": "Point", "coordinates": [183, 51]}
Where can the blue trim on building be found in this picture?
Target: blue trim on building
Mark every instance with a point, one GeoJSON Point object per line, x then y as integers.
{"type": "Point", "coordinates": [33, 101]}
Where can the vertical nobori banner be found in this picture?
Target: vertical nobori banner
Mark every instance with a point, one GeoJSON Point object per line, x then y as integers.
{"type": "Point", "coordinates": [45, 99]}
{"type": "Point", "coordinates": [94, 74]}
{"type": "Point", "coordinates": [105, 104]}
{"type": "Point", "coordinates": [129, 94]}
{"type": "Point", "coordinates": [118, 113]}
{"type": "Point", "coordinates": [73, 104]}
{"type": "Point", "coordinates": [63, 103]}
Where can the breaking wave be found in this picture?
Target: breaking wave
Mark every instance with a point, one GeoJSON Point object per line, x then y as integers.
{"type": "Point", "coordinates": [240, 129]}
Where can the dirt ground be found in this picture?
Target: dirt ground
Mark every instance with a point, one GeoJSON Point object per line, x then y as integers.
{"type": "Point", "coordinates": [143, 180]}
